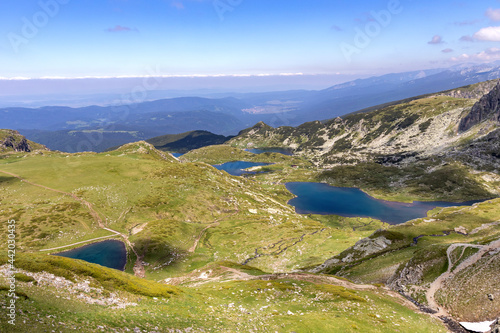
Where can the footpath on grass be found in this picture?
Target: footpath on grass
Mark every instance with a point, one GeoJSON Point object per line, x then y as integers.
{"type": "Point", "coordinates": [138, 267]}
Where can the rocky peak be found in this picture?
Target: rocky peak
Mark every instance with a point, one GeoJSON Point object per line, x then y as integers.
{"type": "Point", "coordinates": [488, 107]}
{"type": "Point", "coordinates": [262, 125]}
{"type": "Point", "coordinates": [259, 128]}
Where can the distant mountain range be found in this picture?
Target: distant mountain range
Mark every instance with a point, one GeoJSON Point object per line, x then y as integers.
{"type": "Point", "coordinates": [98, 128]}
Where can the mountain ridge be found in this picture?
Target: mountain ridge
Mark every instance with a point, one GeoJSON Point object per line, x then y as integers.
{"type": "Point", "coordinates": [487, 107]}
{"type": "Point", "coordinates": [422, 125]}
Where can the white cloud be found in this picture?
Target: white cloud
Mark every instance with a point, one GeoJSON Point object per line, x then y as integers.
{"type": "Point", "coordinates": [487, 55]}
{"type": "Point", "coordinates": [436, 40]}
{"type": "Point", "coordinates": [493, 14]}
{"type": "Point", "coordinates": [491, 34]}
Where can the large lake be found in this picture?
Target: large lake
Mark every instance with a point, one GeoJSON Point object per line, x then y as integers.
{"type": "Point", "coordinates": [108, 253]}
{"type": "Point", "coordinates": [270, 150]}
{"type": "Point", "coordinates": [323, 199]}
{"type": "Point", "coordinates": [238, 168]}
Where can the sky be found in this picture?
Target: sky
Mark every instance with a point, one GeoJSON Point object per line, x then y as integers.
{"type": "Point", "coordinates": [120, 38]}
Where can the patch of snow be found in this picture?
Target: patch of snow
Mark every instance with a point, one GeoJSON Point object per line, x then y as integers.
{"type": "Point", "coordinates": [483, 326]}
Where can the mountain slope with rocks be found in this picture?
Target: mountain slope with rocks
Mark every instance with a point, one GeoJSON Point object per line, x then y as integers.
{"type": "Point", "coordinates": [11, 140]}
{"type": "Point", "coordinates": [421, 127]}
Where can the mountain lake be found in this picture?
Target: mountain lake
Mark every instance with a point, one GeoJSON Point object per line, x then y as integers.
{"type": "Point", "coordinates": [323, 199]}
{"type": "Point", "coordinates": [109, 253]}
{"type": "Point", "coordinates": [237, 168]}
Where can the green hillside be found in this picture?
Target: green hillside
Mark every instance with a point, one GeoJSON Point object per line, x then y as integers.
{"type": "Point", "coordinates": [207, 251]}
{"type": "Point", "coordinates": [183, 220]}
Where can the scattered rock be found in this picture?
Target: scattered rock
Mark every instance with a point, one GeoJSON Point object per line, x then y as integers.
{"type": "Point", "coordinates": [461, 230]}
{"type": "Point", "coordinates": [491, 297]}
{"type": "Point", "coordinates": [78, 290]}
{"type": "Point", "coordinates": [369, 246]}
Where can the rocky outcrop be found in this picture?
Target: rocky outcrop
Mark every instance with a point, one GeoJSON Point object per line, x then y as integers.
{"type": "Point", "coordinates": [368, 246]}
{"type": "Point", "coordinates": [488, 107]}
{"type": "Point", "coordinates": [495, 327]}
{"type": "Point", "coordinates": [11, 140]}
{"type": "Point", "coordinates": [409, 275]}
{"type": "Point", "coordinates": [475, 91]}
{"type": "Point", "coordinates": [21, 145]}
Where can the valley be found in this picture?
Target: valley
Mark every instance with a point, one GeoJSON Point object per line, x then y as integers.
{"type": "Point", "coordinates": [212, 251]}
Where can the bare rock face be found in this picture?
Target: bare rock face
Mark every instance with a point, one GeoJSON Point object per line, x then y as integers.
{"type": "Point", "coordinates": [488, 107]}
{"type": "Point", "coordinates": [21, 145]}
{"type": "Point", "coordinates": [409, 275]}
{"type": "Point", "coordinates": [475, 91]}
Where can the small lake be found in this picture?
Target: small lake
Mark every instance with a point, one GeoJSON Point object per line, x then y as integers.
{"type": "Point", "coordinates": [237, 168]}
{"type": "Point", "coordinates": [177, 154]}
{"type": "Point", "coordinates": [270, 150]}
{"type": "Point", "coordinates": [108, 253]}
{"type": "Point", "coordinates": [323, 199]}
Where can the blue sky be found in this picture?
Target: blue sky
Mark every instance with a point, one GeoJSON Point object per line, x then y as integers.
{"type": "Point", "coordinates": [79, 38]}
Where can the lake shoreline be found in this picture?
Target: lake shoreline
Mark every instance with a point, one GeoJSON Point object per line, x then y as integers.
{"type": "Point", "coordinates": [325, 199]}
{"type": "Point", "coordinates": [77, 253]}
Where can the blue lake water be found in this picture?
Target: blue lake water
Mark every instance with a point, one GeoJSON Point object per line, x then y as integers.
{"type": "Point", "coordinates": [237, 168]}
{"type": "Point", "coordinates": [270, 150]}
{"type": "Point", "coordinates": [108, 253]}
{"type": "Point", "coordinates": [177, 154]}
{"type": "Point", "coordinates": [323, 199]}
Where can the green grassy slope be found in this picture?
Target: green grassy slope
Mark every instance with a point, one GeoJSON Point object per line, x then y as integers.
{"type": "Point", "coordinates": [165, 208]}
{"type": "Point", "coordinates": [182, 220]}
{"type": "Point", "coordinates": [259, 304]}
{"type": "Point", "coordinates": [417, 256]}
{"type": "Point", "coordinates": [223, 253]}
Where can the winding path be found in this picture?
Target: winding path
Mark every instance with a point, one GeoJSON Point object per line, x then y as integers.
{"type": "Point", "coordinates": [197, 240]}
{"type": "Point", "coordinates": [82, 242]}
{"type": "Point", "coordinates": [438, 283]}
